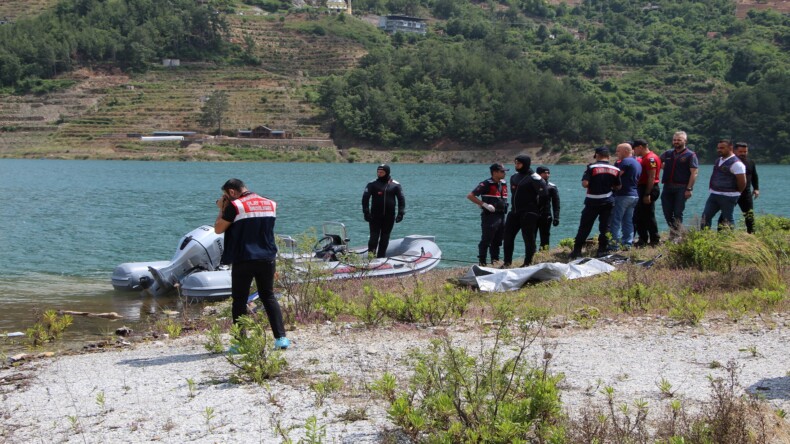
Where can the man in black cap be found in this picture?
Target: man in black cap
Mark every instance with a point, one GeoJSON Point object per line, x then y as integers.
{"type": "Point", "coordinates": [491, 196]}
{"type": "Point", "coordinates": [601, 179]}
{"type": "Point", "coordinates": [549, 208]}
{"type": "Point", "coordinates": [378, 207]}
{"type": "Point", "coordinates": [526, 189]}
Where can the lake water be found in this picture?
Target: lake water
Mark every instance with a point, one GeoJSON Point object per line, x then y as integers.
{"type": "Point", "coordinates": [67, 224]}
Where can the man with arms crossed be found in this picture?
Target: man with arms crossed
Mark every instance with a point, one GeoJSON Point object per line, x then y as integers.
{"type": "Point", "coordinates": [726, 185]}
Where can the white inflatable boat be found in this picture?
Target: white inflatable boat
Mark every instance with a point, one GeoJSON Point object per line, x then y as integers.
{"type": "Point", "coordinates": [195, 268]}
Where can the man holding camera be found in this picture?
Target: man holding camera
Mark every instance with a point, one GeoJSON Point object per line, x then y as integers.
{"type": "Point", "coordinates": [491, 196]}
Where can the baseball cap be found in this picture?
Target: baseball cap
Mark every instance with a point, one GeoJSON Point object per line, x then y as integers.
{"type": "Point", "coordinates": [542, 169]}
{"type": "Point", "coordinates": [498, 167]}
{"type": "Point", "coordinates": [602, 151]}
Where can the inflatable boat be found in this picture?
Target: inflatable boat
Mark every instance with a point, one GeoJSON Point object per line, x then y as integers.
{"type": "Point", "coordinates": [196, 272]}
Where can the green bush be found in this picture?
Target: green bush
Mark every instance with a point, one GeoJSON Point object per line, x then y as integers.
{"type": "Point", "coordinates": [456, 397]}
{"type": "Point", "coordinates": [50, 328]}
{"type": "Point", "coordinates": [704, 250]}
{"type": "Point", "coordinates": [422, 306]}
{"type": "Point", "coordinates": [256, 360]}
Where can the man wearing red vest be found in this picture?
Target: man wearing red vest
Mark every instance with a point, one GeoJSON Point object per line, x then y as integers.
{"type": "Point", "coordinates": [247, 220]}
{"type": "Point", "coordinates": [648, 191]}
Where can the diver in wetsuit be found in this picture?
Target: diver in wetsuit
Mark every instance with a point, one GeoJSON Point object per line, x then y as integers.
{"type": "Point", "coordinates": [378, 207]}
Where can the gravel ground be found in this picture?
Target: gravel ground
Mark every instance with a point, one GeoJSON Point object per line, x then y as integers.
{"type": "Point", "coordinates": [142, 393]}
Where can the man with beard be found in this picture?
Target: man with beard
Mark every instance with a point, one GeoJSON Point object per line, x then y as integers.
{"type": "Point", "coordinates": [680, 172]}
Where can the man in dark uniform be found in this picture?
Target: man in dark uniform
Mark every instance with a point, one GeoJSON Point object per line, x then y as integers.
{"type": "Point", "coordinates": [752, 190]}
{"type": "Point", "coordinates": [648, 191]}
{"type": "Point", "coordinates": [601, 179]}
{"type": "Point", "coordinates": [549, 208]}
{"type": "Point", "coordinates": [680, 173]}
{"type": "Point", "coordinates": [378, 207]}
{"type": "Point", "coordinates": [247, 220]}
{"type": "Point", "coordinates": [526, 189]}
{"type": "Point", "coordinates": [491, 196]}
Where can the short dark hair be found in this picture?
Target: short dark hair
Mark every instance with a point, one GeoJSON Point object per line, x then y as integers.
{"type": "Point", "coordinates": [741, 144]}
{"type": "Point", "coordinates": [233, 184]}
{"type": "Point", "coordinates": [638, 142]}
{"type": "Point", "coordinates": [727, 141]}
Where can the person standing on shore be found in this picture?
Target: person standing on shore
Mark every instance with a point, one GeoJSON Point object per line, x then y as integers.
{"type": "Point", "coordinates": [378, 208]}
{"type": "Point", "coordinates": [727, 183]}
{"type": "Point", "coordinates": [247, 220]}
{"type": "Point", "coordinates": [491, 196]}
{"type": "Point", "coordinates": [625, 199]}
{"type": "Point", "coordinates": [601, 180]}
{"type": "Point", "coordinates": [680, 173]}
{"type": "Point", "coordinates": [549, 208]}
{"type": "Point", "coordinates": [648, 191]}
{"type": "Point", "coordinates": [752, 191]}
{"type": "Point", "coordinates": [526, 189]}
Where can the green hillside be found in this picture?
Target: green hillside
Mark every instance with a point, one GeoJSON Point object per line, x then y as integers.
{"type": "Point", "coordinates": [558, 75]}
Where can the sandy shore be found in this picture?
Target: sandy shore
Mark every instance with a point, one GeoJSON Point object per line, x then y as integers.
{"type": "Point", "coordinates": [143, 393]}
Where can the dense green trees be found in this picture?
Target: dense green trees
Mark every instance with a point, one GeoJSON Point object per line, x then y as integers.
{"type": "Point", "coordinates": [127, 33]}
{"type": "Point", "coordinates": [601, 71]}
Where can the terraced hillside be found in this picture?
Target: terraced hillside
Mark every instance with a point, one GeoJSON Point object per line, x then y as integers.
{"type": "Point", "coordinates": [98, 113]}
{"type": "Point", "coordinates": [15, 9]}
{"type": "Point", "coordinates": [293, 53]}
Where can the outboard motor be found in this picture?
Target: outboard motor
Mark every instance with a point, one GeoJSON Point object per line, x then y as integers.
{"type": "Point", "coordinates": [199, 250]}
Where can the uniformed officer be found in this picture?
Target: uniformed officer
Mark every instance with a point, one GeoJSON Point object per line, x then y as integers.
{"type": "Point", "coordinates": [491, 196]}
{"type": "Point", "coordinates": [601, 180]}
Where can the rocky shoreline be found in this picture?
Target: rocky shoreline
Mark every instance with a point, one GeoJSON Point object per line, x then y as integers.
{"type": "Point", "coordinates": [176, 391]}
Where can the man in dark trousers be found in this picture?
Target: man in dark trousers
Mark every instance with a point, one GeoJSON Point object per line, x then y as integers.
{"type": "Point", "coordinates": [680, 173]}
{"type": "Point", "coordinates": [491, 196]}
{"type": "Point", "coordinates": [526, 189]}
{"type": "Point", "coordinates": [549, 208]}
{"type": "Point", "coordinates": [752, 191]}
{"type": "Point", "coordinates": [601, 180]}
{"type": "Point", "coordinates": [247, 220]}
{"type": "Point", "coordinates": [648, 191]}
{"type": "Point", "coordinates": [378, 207]}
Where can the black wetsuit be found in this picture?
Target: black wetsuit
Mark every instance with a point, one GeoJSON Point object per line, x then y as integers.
{"type": "Point", "coordinates": [526, 189]}
{"type": "Point", "coordinates": [746, 201]}
{"type": "Point", "coordinates": [378, 206]}
{"type": "Point", "coordinates": [549, 212]}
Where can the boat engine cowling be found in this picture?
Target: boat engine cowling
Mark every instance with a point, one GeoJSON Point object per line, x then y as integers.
{"type": "Point", "coordinates": [199, 250]}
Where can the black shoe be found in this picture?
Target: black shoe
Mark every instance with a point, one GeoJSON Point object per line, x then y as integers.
{"type": "Point", "coordinates": [505, 265]}
{"type": "Point", "coordinates": [655, 242]}
{"type": "Point", "coordinates": [575, 255]}
{"type": "Point", "coordinates": [483, 264]}
{"type": "Point", "coordinates": [640, 244]}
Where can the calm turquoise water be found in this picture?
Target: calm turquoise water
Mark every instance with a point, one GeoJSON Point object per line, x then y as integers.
{"type": "Point", "coordinates": [67, 224]}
